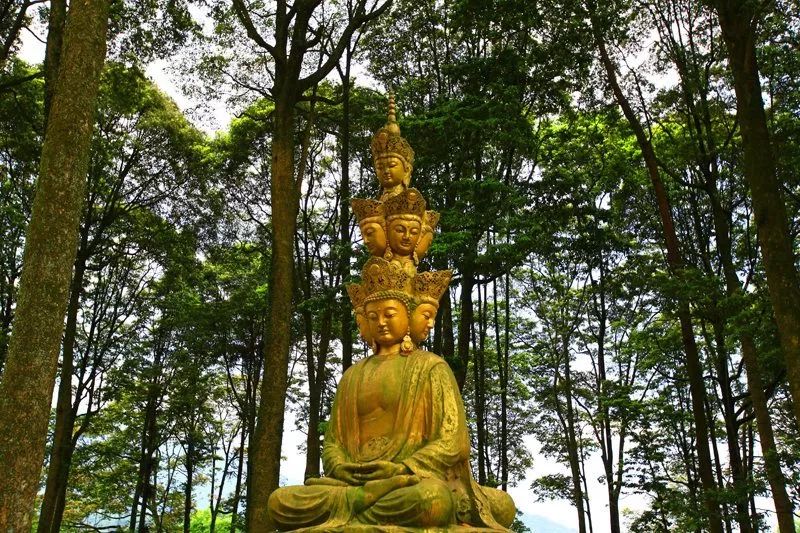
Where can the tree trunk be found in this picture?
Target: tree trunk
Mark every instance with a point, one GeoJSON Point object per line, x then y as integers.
{"type": "Point", "coordinates": [52, 56]}
{"type": "Point", "coordinates": [265, 455]}
{"type": "Point", "coordinates": [777, 482]}
{"type": "Point", "coordinates": [187, 488]}
{"type": "Point", "coordinates": [344, 220]}
{"type": "Point", "coordinates": [737, 21]}
{"type": "Point", "coordinates": [572, 441]}
{"type": "Point", "coordinates": [50, 249]}
{"type": "Point", "coordinates": [237, 491]}
{"type": "Point", "coordinates": [466, 317]}
{"type": "Point", "coordinates": [61, 453]}
{"type": "Point", "coordinates": [694, 370]}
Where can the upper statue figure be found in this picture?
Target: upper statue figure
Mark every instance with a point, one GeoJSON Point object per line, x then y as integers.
{"type": "Point", "coordinates": [396, 451]}
{"type": "Point", "coordinates": [392, 156]}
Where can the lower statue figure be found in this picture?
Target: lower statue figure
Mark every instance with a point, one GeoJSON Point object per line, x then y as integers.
{"type": "Point", "coordinates": [397, 447]}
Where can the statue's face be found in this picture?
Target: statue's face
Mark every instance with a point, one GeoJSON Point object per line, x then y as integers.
{"type": "Point", "coordinates": [374, 237]}
{"type": "Point", "coordinates": [424, 243]}
{"type": "Point", "coordinates": [404, 235]}
{"type": "Point", "coordinates": [388, 321]}
{"type": "Point", "coordinates": [422, 320]}
{"type": "Point", "coordinates": [363, 327]}
{"type": "Point", "coordinates": [392, 171]}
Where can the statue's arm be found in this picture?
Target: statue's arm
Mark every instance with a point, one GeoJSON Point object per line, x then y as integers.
{"type": "Point", "coordinates": [333, 452]}
{"type": "Point", "coordinates": [449, 441]}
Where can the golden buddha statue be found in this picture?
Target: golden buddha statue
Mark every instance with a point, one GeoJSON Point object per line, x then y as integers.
{"type": "Point", "coordinates": [396, 451]}
{"type": "Point", "coordinates": [392, 156]}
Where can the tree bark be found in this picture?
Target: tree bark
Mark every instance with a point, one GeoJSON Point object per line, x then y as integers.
{"type": "Point", "coordinates": [266, 446]}
{"type": "Point", "coordinates": [61, 454]}
{"type": "Point", "coordinates": [52, 56]}
{"type": "Point", "coordinates": [737, 20]}
{"type": "Point", "coordinates": [344, 219]}
{"type": "Point", "coordinates": [50, 249]}
{"type": "Point", "coordinates": [187, 487]}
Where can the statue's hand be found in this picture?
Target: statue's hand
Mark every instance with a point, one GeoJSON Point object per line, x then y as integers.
{"type": "Point", "coordinates": [347, 472]}
{"type": "Point", "coordinates": [380, 470]}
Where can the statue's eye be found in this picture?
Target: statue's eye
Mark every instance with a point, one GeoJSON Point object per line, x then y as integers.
{"type": "Point", "coordinates": [372, 315]}
{"type": "Point", "coordinates": [414, 231]}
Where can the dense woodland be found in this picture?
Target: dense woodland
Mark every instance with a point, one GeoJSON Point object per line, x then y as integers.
{"type": "Point", "coordinates": [619, 185]}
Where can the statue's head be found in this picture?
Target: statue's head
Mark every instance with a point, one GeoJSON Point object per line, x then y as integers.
{"type": "Point", "coordinates": [429, 224]}
{"type": "Point", "coordinates": [387, 305]}
{"type": "Point", "coordinates": [388, 321]}
{"type": "Point", "coordinates": [404, 213]}
{"type": "Point", "coordinates": [371, 221]}
{"type": "Point", "coordinates": [429, 287]}
{"type": "Point", "coordinates": [392, 155]}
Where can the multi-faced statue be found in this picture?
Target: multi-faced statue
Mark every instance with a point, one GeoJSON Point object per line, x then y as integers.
{"type": "Point", "coordinates": [393, 157]}
{"type": "Point", "coordinates": [396, 450]}
{"type": "Point", "coordinates": [371, 221]}
{"type": "Point", "coordinates": [429, 223]}
{"type": "Point", "coordinates": [357, 300]}
{"type": "Point", "coordinates": [404, 213]}
{"type": "Point", "coordinates": [428, 288]}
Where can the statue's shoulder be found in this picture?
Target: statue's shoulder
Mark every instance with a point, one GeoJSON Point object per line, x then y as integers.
{"type": "Point", "coordinates": [427, 358]}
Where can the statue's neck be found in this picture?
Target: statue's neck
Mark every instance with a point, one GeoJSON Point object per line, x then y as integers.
{"type": "Point", "coordinates": [391, 349]}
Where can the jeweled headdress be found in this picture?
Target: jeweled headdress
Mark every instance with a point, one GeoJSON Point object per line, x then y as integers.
{"type": "Point", "coordinates": [387, 141]}
{"type": "Point", "coordinates": [367, 209]}
{"type": "Point", "coordinates": [408, 202]}
{"type": "Point", "coordinates": [356, 295]}
{"type": "Point", "coordinates": [429, 286]}
{"type": "Point", "coordinates": [431, 220]}
{"type": "Point", "coordinates": [382, 279]}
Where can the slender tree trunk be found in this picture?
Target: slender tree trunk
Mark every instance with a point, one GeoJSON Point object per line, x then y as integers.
{"type": "Point", "coordinates": [738, 19]}
{"type": "Point", "coordinates": [572, 441]}
{"type": "Point", "coordinates": [783, 505]}
{"type": "Point", "coordinates": [466, 317]}
{"type": "Point", "coordinates": [27, 387]}
{"type": "Point", "coordinates": [344, 219]}
{"type": "Point", "coordinates": [61, 453]}
{"type": "Point", "coordinates": [52, 56]}
{"type": "Point", "coordinates": [237, 491]}
{"type": "Point", "coordinates": [265, 454]}
{"type": "Point", "coordinates": [694, 370]}
{"type": "Point", "coordinates": [479, 384]}
{"type": "Point", "coordinates": [187, 488]}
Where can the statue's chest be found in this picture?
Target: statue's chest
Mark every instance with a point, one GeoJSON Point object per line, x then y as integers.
{"type": "Point", "coordinates": [381, 385]}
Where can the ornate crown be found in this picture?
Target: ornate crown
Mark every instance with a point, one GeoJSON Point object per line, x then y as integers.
{"type": "Point", "coordinates": [356, 294]}
{"type": "Point", "coordinates": [408, 202]}
{"type": "Point", "coordinates": [383, 279]}
{"type": "Point", "coordinates": [387, 141]}
{"type": "Point", "coordinates": [366, 208]}
{"type": "Point", "coordinates": [429, 286]}
{"type": "Point", "coordinates": [431, 220]}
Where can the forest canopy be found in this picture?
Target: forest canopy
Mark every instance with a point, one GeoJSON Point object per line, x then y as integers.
{"type": "Point", "coordinates": [619, 190]}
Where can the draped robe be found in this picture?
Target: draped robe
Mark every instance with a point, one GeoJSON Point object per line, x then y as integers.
{"type": "Point", "coordinates": [429, 437]}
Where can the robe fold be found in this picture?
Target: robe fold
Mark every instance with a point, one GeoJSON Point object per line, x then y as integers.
{"type": "Point", "coordinates": [429, 437]}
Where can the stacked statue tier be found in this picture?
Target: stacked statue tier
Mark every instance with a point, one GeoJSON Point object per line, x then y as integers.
{"type": "Point", "coordinates": [397, 446]}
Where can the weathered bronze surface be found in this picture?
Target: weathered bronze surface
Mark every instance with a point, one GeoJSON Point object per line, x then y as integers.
{"type": "Point", "coordinates": [396, 452]}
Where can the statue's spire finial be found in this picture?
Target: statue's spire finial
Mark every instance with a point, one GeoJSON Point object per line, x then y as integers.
{"type": "Point", "coordinates": [391, 123]}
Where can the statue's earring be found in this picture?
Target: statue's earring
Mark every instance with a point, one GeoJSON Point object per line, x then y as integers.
{"type": "Point", "coordinates": [415, 257]}
{"type": "Point", "coordinates": [388, 254]}
{"type": "Point", "coordinates": [374, 347]}
{"type": "Point", "coordinates": [407, 346]}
